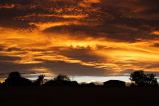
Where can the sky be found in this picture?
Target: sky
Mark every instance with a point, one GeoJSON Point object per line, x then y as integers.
{"type": "Point", "coordinates": [79, 37]}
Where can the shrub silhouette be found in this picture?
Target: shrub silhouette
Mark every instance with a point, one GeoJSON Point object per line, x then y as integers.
{"type": "Point", "coordinates": [143, 80]}
{"type": "Point", "coordinates": [14, 79]}
{"type": "Point", "coordinates": [61, 80]}
{"type": "Point", "coordinates": [88, 84]}
{"type": "Point", "coordinates": [114, 83]}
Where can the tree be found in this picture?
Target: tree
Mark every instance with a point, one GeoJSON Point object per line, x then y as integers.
{"type": "Point", "coordinates": [14, 79]}
{"type": "Point", "coordinates": [62, 78]}
{"type": "Point", "coordinates": [143, 80]}
{"type": "Point", "coordinates": [114, 83]}
{"type": "Point", "coordinates": [0, 84]}
{"type": "Point", "coordinates": [39, 81]}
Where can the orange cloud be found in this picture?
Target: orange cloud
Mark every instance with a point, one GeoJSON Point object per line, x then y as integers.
{"type": "Point", "coordinates": [35, 48]}
{"type": "Point", "coordinates": [98, 36]}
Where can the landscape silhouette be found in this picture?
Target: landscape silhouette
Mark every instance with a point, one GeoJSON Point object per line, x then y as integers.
{"type": "Point", "coordinates": [138, 79]}
{"type": "Point", "coordinates": [79, 52]}
{"type": "Point", "coordinates": [62, 91]}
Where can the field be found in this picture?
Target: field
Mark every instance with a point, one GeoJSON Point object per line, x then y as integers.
{"type": "Point", "coordinates": [60, 96]}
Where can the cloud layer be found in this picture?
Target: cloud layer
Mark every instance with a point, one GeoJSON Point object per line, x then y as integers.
{"type": "Point", "coordinates": [79, 37]}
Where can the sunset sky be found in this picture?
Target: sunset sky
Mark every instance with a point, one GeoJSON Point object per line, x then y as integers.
{"type": "Point", "coordinates": [79, 37]}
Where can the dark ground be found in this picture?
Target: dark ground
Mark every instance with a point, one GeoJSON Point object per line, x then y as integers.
{"type": "Point", "coordinates": [57, 96]}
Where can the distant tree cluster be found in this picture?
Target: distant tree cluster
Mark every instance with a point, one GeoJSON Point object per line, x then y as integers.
{"type": "Point", "coordinates": [138, 78]}
{"type": "Point", "coordinates": [143, 80]}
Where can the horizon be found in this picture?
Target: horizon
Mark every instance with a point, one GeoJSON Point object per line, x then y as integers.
{"type": "Point", "coordinates": [79, 37]}
{"type": "Point", "coordinates": [79, 79]}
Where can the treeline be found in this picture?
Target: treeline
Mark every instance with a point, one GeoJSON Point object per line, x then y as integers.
{"type": "Point", "coordinates": [138, 79]}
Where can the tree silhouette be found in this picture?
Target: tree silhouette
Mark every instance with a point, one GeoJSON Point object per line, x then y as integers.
{"type": "Point", "coordinates": [143, 80]}
{"type": "Point", "coordinates": [39, 81]}
{"type": "Point", "coordinates": [61, 80]}
{"type": "Point", "coordinates": [114, 83]}
{"type": "Point", "coordinates": [138, 78]}
{"type": "Point", "coordinates": [0, 84]}
{"type": "Point", "coordinates": [14, 79]}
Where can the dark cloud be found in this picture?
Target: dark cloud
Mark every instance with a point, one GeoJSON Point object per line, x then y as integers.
{"type": "Point", "coordinates": [8, 18]}
{"type": "Point", "coordinates": [129, 71]}
{"type": "Point", "coordinates": [2, 48]}
{"type": "Point", "coordinates": [57, 67]}
{"type": "Point", "coordinates": [9, 58]}
{"type": "Point", "coordinates": [7, 67]}
{"type": "Point", "coordinates": [16, 1]}
{"type": "Point", "coordinates": [156, 45]}
{"type": "Point", "coordinates": [121, 20]}
{"type": "Point", "coordinates": [73, 29]}
{"type": "Point", "coordinates": [83, 54]}
{"type": "Point", "coordinates": [75, 69]}
{"type": "Point", "coordinates": [13, 49]}
{"type": "Point", "coordinates": [127, 22]}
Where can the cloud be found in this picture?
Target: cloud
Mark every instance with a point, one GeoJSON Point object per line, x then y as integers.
{"type": "Point", "coordinates": [83, 54]}
{"type": "Point", "coordinates": [7, 67]}
{"type": "Point", "coordinates": [97, 35]}
{"type": "Point", "coordinates": [156, 45]}
{"type": "Point", "coordinates": [9, 58]}
{"type": "Point", "coordinates": [72, 29]}
{"type": "Point", "coordinates": [129, 71]}
{"type": "Point", "coordinates": [75, 69]}
{"type": "Point", "coordinates": [119, 20]}
{"type": "Point", "coordinates": [55, 67]}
